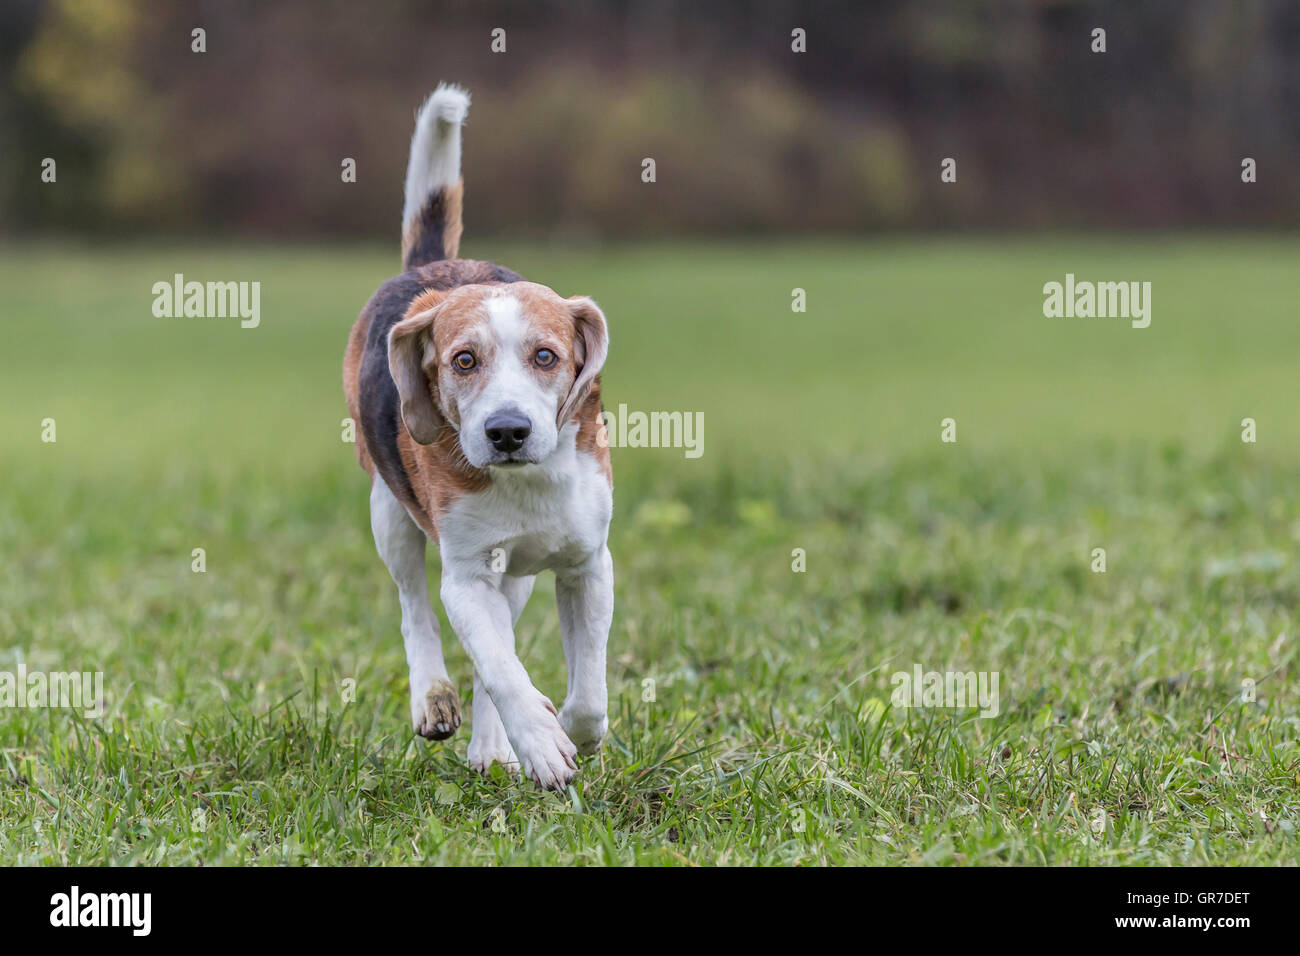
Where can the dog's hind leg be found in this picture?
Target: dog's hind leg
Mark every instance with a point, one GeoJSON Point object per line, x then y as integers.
{"type": "Point", "coordinates": [435, 707]}
{"type": "Point", "coordinates": [488, 743]}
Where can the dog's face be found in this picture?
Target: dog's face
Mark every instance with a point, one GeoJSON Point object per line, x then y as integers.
{"type": "Point", "coordinates": [505, 365]}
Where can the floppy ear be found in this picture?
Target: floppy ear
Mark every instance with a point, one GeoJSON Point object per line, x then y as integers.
{"type": "Point", "coordinates": [590, 346]}
{"type": "Point", "coordinates": [414, 369]}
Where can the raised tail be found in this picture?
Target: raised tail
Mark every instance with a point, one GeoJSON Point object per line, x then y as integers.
{"type": "Point", "coordinates": [431, 223]}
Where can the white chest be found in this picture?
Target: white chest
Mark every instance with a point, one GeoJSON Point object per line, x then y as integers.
{"type": "Point", "coordinates": [553, 516]}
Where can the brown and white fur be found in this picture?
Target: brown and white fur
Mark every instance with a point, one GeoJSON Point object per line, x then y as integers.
{"type": "Point", "coordinates": [478, 400]}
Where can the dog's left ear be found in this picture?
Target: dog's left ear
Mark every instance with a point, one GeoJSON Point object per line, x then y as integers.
{"type": "Point", "coordinates": [414, 369]}
{"type": "Point", "coordinates": [590, 346]}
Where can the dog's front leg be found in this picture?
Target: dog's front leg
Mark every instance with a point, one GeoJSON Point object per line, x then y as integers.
{"type": "Point", "coordinates": [585, 598]}
{"type": "Point", "coordinates": [435, 708]}
{"type": "Point", "coordinates": [488, 743]}
{"type": "Point", "coordinates": [480, 614]}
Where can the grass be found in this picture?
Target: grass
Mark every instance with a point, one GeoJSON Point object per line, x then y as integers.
{"type": "Point", "coordinates": [257, 711]}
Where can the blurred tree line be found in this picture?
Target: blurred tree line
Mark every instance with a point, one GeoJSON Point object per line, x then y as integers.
{"type": "Point", "coordinates": [748, 136]}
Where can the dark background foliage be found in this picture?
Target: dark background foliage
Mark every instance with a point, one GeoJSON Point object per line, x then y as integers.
{"type": "Point", "coordinates": [749, 137]}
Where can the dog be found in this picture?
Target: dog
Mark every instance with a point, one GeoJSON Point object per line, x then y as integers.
{"type": "Point", "coordinates": [477, 396]}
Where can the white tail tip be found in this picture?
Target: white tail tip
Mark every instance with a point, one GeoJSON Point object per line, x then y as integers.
{"type": "Point", "coordinates": [435, 148]}
{"type": "Point", "coordinates": [446, 104]}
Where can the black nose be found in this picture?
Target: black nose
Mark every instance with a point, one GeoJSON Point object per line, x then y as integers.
{"type": "Point", "coordinates": [507, 431]}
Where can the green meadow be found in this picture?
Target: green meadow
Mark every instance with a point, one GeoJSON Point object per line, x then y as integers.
{"type": "Point", "coordinates": [257, 711]}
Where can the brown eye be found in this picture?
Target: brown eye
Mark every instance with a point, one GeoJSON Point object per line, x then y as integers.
{"type": "Point", "coordinates": [544, 358]}
{"type": "Point", "coordinates": [464, 361]}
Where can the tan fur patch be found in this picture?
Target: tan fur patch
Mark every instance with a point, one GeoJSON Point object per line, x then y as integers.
{"type": "Point", "coordinates": [439, 475]}
{"type": "Point", "coordinates": [544, 308]}
{"type": "Point", "coordinates": [424, 301]}
{"type": "Point", "coordinates": [590, 428]}
{"type": "Point", "coordinates": [351, 374]}
{"type": "Point", "coordinates": [453, 226]}
{"type": "Point", "coordinates": [463, 311]}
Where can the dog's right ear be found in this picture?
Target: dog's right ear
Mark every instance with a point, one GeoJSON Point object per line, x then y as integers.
{"type": "Point", "coordinates": [414, 367]}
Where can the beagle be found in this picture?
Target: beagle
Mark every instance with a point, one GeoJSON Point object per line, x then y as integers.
{"type": "Point", "coordinates": [477, 396]}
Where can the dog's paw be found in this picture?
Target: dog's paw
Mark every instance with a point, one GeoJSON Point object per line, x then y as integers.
{"type": "Point", "coordinates": [585, 729]}
{"type": "Point", "coordinates": [436, 713]}
{"type": "Point", "coordinates": [546, 754]}
{"type": "Point", "coordinates": [488, 744]}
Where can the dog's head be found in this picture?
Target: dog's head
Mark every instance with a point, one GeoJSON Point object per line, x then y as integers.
{"type": "Point", "coordinates": [507, 366]}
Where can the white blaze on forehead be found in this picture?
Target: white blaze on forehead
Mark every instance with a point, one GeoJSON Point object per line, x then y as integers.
{"type": "Point", "coordinates": [512, 382]}
{"type": "Point", "coordinates": [506, 321]}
